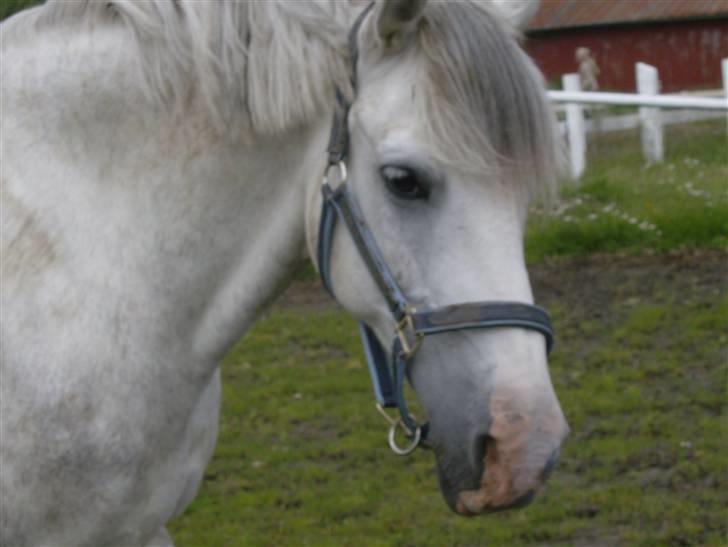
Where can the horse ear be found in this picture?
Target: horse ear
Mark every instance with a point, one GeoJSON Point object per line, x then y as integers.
{"type": "Point", "coordinates": [517, 12]}
{"type": "Point", "coordinates": [397, 19]}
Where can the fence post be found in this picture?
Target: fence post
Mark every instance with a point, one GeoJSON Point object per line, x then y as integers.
{"type": "Point", "coordinates": [648, 83]}
{"type": "Point", "coordinates": [575, 128]}
{"type": "Point", "coordinates": [724, 67]}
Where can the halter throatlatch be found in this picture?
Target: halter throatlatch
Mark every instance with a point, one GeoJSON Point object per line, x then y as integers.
{"type": "Point", "coordinates": [388, 372]}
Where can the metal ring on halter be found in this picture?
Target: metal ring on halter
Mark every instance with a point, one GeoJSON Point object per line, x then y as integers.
{"type": "Point", "coordinates": [342, 171]}
{"type": "Point", "coordinates": [394, 423]}
{"type": "Point", "coordinates": [393, 441]}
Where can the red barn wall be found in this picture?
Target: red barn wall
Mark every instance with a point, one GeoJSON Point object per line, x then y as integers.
{"type": "Point", "coordinates": [687, 54]}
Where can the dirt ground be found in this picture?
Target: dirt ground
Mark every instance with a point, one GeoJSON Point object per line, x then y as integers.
{"type": "Point", "coordinates": [591, 283]}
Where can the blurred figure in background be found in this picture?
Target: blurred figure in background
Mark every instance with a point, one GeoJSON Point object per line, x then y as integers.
{"type": "Point", "coordinates": [588, 70]}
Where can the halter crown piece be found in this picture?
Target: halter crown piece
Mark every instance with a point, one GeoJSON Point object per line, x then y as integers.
{"type": "Point", "coordinates": [388, 373]}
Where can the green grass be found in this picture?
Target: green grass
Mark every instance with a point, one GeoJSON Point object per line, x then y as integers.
{"type": "Point", "coordinates": [622, 204]}
{"type": "Point", "coordinates": [641, 376]}
{"type": "Point", "coordinates": [9, 7]}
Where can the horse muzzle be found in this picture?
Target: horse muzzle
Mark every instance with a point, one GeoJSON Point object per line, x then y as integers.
{"type": "Point", "coordinates": [512, 460]}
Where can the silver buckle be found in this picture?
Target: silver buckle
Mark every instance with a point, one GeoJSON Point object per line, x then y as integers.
{"type": "Point", "coordinates": [409, 339]}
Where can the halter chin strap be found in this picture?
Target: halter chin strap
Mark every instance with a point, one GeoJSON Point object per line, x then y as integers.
{"type": "Point", "coordinates": [388, 374]}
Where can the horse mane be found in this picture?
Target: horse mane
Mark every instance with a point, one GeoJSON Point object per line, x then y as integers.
{"type": "Point", "coordinates": [271, 65]}
{"type": "Point", "coordinates": [267, 65]}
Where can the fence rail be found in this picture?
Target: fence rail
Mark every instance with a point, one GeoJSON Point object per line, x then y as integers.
{"type": "Point", "coordinates": [601, 123]}
{"type": "Point", "coordinates": [650, 119]}
{"type": "Point", "coordinates": [634, 99]}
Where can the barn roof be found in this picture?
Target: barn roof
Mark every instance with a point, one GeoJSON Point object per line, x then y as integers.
{"type": "Point", "coordinates": [559, 14]}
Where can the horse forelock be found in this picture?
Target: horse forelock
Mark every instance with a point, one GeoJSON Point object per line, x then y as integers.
{"type": "Point", "coordinates": [484, 102]}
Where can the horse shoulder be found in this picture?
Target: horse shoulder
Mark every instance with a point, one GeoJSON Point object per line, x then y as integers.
{"type": "Point", "coordinates": [26, 247]}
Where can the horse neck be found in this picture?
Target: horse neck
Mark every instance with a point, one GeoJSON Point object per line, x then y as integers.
{"type": "Point", "coordinates": [195, 231]}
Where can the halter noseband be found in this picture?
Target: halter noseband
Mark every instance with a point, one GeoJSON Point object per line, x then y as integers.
{"type": "Point", "coordinates": [412, 325]}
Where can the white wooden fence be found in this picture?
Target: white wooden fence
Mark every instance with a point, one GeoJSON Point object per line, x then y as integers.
{"type": "Point", "coordinates": [650, 118]}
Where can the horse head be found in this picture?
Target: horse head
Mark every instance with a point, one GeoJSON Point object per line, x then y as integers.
{"type": "Point", "coordinates": [449, 137]}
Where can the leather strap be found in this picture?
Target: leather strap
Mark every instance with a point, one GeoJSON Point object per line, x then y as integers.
{"type": "Point", "coordinates": [478, 315]}
{"type": "Point", "coordinates": [385, 391]}
{"type": "Point", "coordinates": [343, 205]}
{"type": "Point", "coordinates": [338, 147]}
{"type": "Point", "coordinates": [325, 241]}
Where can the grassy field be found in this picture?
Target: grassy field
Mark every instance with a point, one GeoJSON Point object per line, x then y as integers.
{"type": "Point", "coordinates": [640, 369]}
{"type": "Point", "coordinates": [623, 204]}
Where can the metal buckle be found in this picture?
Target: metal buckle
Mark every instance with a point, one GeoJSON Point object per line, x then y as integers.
{"type": "Point", "coordinates": [342, 172]}
{"type": "Point", "coordinates": [409, 339]}
{"type": "Point", "coordinates": [395, 423]}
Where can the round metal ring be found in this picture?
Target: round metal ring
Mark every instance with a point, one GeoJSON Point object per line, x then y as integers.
{"type": "Point", "coordinates": [342, 171]}
{"type": "Point", "coordinates": [407, 449]}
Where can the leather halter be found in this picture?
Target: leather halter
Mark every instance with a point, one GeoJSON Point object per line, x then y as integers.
{"type": "Point", "coordinates": [388, 376]}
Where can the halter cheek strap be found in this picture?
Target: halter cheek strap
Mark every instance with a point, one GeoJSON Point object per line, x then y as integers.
{"type": "Point", "coordinates": [388, 372]}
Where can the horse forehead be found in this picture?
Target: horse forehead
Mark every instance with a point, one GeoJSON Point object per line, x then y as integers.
{"type": "Point", "coordinates": [386, 100]}
{"type": "Point", "coordinates": [389, 120]}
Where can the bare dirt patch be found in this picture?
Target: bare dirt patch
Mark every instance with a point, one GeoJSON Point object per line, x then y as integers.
{"type": "Point", "coordinates": [590, 284]}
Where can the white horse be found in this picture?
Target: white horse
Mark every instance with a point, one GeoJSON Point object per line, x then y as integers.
{"type": "Point", "coordinates": [161, 167]}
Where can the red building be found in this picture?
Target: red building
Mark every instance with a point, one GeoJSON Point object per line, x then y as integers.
{"type": "Point", "coordinates": [684, 39]}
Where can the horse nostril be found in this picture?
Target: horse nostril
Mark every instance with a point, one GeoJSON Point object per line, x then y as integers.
{"type": "Point", "coordinates": [480, 446]}
{"type": "Point", "coordinates": [550, 464]}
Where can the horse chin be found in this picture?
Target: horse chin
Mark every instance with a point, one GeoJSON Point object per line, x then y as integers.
{"type": "Point", "coordinates": [469, 500]}
{"type": "Point", "coordinates": [454, 477]}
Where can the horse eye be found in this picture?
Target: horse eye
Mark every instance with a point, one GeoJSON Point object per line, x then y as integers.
{"type": "Point", "coordinates": [403, 182]}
